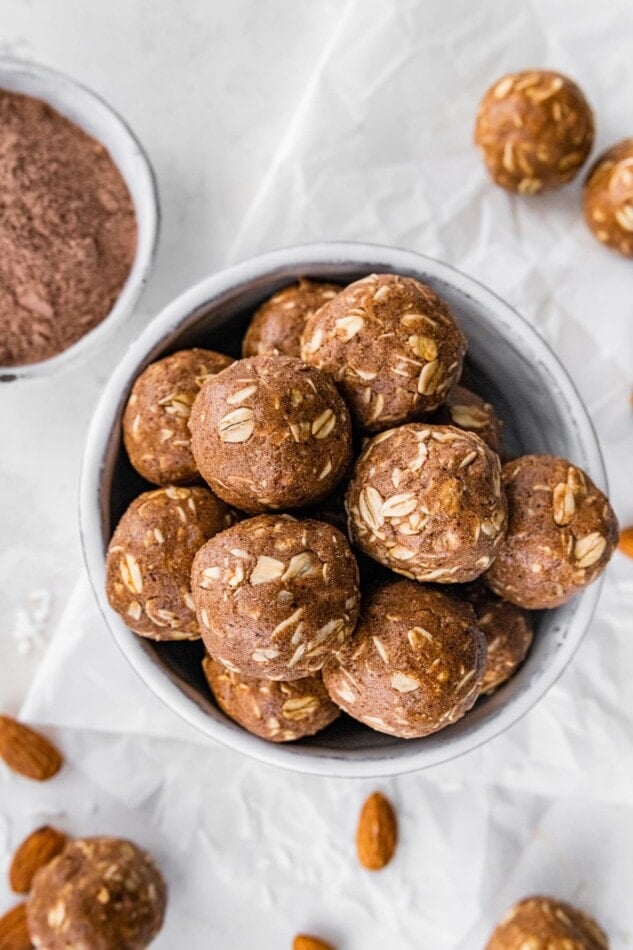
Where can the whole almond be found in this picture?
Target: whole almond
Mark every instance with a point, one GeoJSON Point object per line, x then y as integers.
{"type": "Point", "coordinates": [377, 833]}
{"type": "Point", "coordinates": [26, 751]}
{"type": "Point", "coordinates": [34, 853]}
{"type": "Point", "coordinates": [307, 942]}
{"type": "Point", "coordinates": [626, 541]}
{"type": "Point", "coordinates": [14, 932]}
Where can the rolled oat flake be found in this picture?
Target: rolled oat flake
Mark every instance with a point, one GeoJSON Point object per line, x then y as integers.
{"type": "Point", "coordinates": [67, 231]}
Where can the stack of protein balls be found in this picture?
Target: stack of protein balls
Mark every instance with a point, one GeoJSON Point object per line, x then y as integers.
{"type": "Point", "coordinates": [358, 544]}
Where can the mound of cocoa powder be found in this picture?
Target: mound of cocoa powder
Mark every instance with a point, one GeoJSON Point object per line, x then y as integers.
{"type": "Point", "coordinates": [67, 231]}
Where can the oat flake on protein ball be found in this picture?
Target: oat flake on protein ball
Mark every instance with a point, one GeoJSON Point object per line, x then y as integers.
{"type": "Point", "coordinates": [67, 231]}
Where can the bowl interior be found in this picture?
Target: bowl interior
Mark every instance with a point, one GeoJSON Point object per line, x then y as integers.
{"type": "Point", "coordinates": [509, 365]}
{"type": "Point", "coordinates": [97, 118]}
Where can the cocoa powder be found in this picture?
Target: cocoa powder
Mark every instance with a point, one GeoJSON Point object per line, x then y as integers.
{"type": "Point", "coordinates": [67, 231]}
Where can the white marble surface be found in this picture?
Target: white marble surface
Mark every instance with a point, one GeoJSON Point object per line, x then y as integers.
{"type": "Point", "coordinates": [270, 124]}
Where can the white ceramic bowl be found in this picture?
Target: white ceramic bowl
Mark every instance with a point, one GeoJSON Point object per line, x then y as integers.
{"type": "Point", "coordinates": [541, 410]}
{"type": "Point", "coordinates": [97, 118]}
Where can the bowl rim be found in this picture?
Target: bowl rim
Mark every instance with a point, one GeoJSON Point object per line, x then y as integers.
{"type": "Point", "coordinates": [147, 209]}
{"type": "Point", "coordinates": [201, 296]}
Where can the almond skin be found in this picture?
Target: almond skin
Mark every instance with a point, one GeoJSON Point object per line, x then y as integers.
{"type": "Point", "coordinates": [14, 932]}
{"type": "Point", "coordinates": [27, 752]}
{"type": "Point", "coordinates": [34, 853]}
{"type": "Point", "coordinates": [377, 833]}
{"type": "Point", "coordinates": [626, 541]}
{"type": "Point", "coordinates": [307, 942]}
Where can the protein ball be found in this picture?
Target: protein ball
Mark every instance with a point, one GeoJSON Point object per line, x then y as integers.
{"type": "Point", "coordinates": [277, 326]}
{"type": "Point", "coordinates": [426, 501]}
{"type": "Point", "coordinates": [534, 130]}
{"type": "Point", "coordinates": [466, 410]}
{"type": "Point", "coordinates": [414, 665]}
{"type": "Point", "coordinates": [392, 346]}
{"type": "Point", "coordinates": [271, 432]}
{"type": "Point", "coordinates": [99, 893]}
{"type": "Point", "coordinates": [155, 430]}
{"type": "Point", "coordinates": [275, 595]}
{"type": "Point", "coordinates": [277, 711]}
{"type": "Point", "coordinates": [148, 565]}
{"type": "Point", "coordinates": [508, 631]}
{"type": "Point", "coordinates": [608, 198]}
{"type": "Point", "coordinates": [561, 533]}
{"type": "Point", "coordinates": [543, 922]}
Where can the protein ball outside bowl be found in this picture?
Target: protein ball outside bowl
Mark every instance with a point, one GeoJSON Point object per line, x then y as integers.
{"type": "Point", "coordinates": [277, 326]}
{"type": "Point", "coordinates": [466, 410]}
{"type": "Point", "coordinates": [508, 631]}
{"type": "Point", "coordinates": [271, 432]}
{"type": "Point", "coordinates": [426, 501]}
{"type": "Point", "coordinates": [414, 665]}
{"type": "Point", "coordinates": [608, 198]}
{"type": "Point", "coordinates": [148, 565]}
{"type": "Point", "coordinates": [99, 893]}
{"type": "Point", "coordinates": [392, 346]}
{"type": "Point", "coordinates": [543, 923]}
{"type": "Point", "coordinates": [276, 711]}
{"type": "Point", "coordinates": [561, 533]}
{"type": "Point", "coordinates": [275, 595]}
{"type": "Point", "coordinates": [155, 430]}
{"type": "Point", "coordinates": [534, 130]}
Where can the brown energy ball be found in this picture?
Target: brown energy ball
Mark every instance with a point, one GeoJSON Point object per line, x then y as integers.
{"type": "Point", "coordinates": [414, 665]}
{"type": "Point", "coordinates": [277, 711]}
{"type": "Point", "coordinates": [508, 631]}
{"type": "Point", "coordinates": [275, 595]}
{"type": "Point", "coordinates": [392, 346]}
{"type": "Point", "coordinates": [271, 432]}
{"type": "Point", "coordinates": [148, 566]}
{"type": "Point", "coordinates": [155, 430]}
{"type": "Point", "coordinates": [277, 326]}
{"type": "Point", "coordinates": [608, 198]}
{"type": "Point", "coordinates": [561, 533]}
{"type": "Point", "coordinates": [534, 130]}
{"type": "Point", "coordinates": [543, 923]}
{"type": "Point", "coordinates": [426, 501]}
{"type": "Point", "coordinates": [466, 410]}
{"type": "Point", "coordinates": [99, 893]}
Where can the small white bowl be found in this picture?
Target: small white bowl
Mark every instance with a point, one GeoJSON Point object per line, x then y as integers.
{"type": "Point", "coordinates": [542, 412]}
{"type": "Point", "coordinates": [97, 118]}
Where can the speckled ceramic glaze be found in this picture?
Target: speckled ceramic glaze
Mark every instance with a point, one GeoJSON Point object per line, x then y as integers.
{"type": "Point", "coordinates": [510, 365]}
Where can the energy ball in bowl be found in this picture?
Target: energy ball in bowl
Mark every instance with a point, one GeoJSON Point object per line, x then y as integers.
{"type": "Point", "coordinates": [148, 565]}
{"type": "Point", "coordinates": [608, 198]}
{"type": "Point", "coordinates": [543, 922]}
{"type": "Point", "coordinates": [271, 432]}
{"type": "Point", "coordinates": [414, 665]}
{"type": "Point", "coordinates": [275, 596]}
{"type": "Point", "coordinates": [466, 410]}
{"type": "Point", "coordinates": [534, 130]}
{"type": "Point", "coordinates": [155, 430]}
{"type": "Point", "coordinates": [561, 533]}
{"type": "Point", "coordinates": [392, 346]}
{"type": "Point", "coordinates": [426, 501]}
{"type": "Point", "coordinates": [277, 711]}
{"type": "Point", "coordinates": [508, 631]}
{"type": "Point", "coordinates": [99, 893]}
{"type": "Point", "coordinates": [277, 326]}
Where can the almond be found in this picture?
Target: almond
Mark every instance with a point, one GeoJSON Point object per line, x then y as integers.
{"type": "Point", "coordinates": [377, 833]}
{"type": "Point", "coordinates": [306, 942]}
{"type": "Point", "coordinates": [626, 541]}
{"type": "Point", "coordinates": [26, 751]}
{"type": "Point", "coordinates": [34, 853]}
{"type": "Point", "coordinates": [14, 932]}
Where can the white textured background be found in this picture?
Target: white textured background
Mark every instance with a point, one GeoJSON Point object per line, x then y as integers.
{"type": "Point", "coordinates": [272, 123]}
